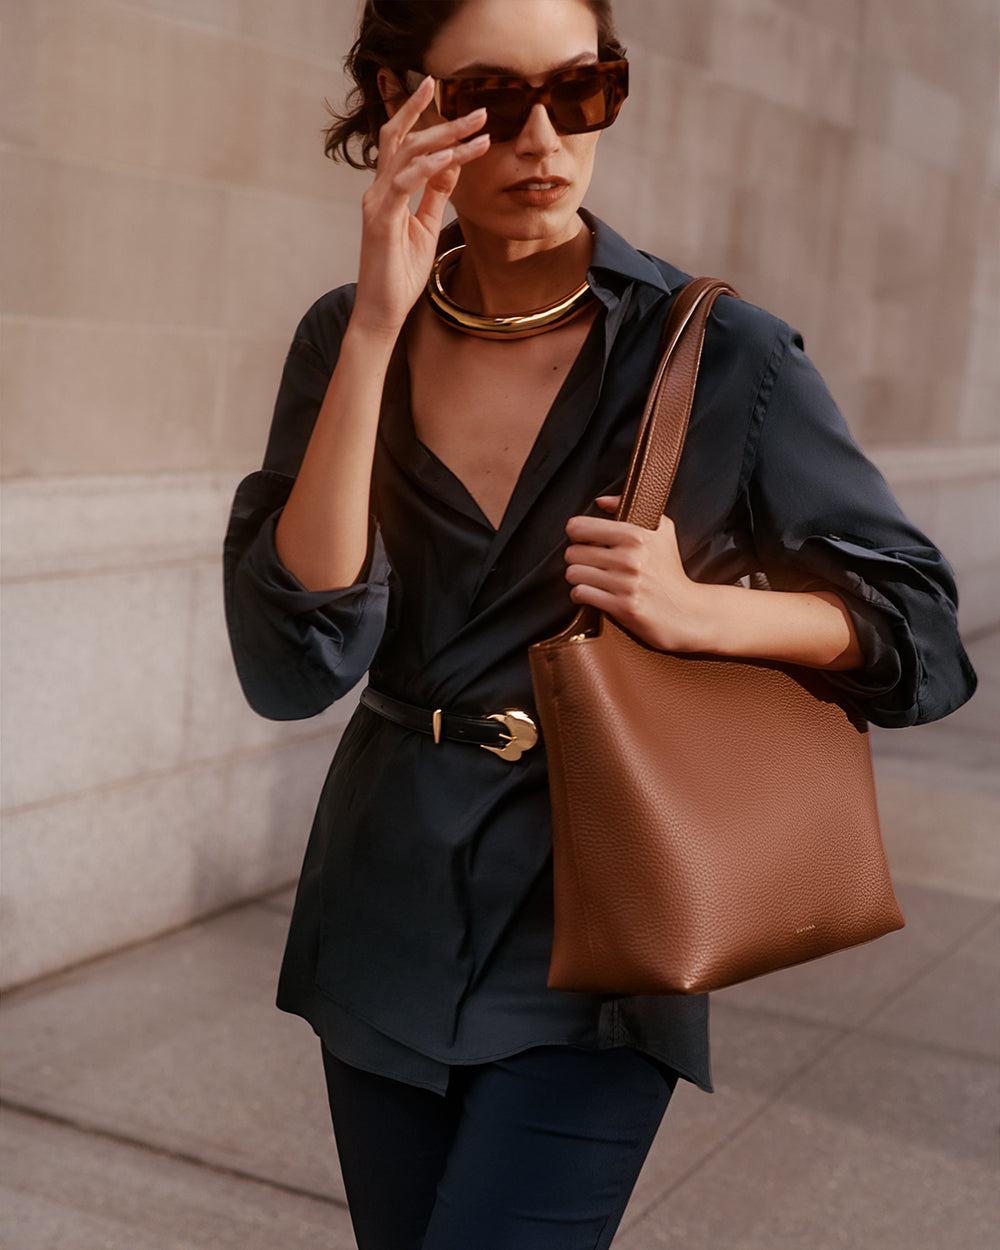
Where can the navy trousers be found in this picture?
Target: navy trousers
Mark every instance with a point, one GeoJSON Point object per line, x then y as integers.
{"type": "Point", "coordinates": [539, 1151]}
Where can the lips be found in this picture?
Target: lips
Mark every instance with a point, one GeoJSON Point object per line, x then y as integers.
{"type": "Point", "coordinates": [538, 184]}
{"type": "Point", "coordinates": [537, 192]}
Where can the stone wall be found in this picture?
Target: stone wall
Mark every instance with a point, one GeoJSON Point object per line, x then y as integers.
{"type": "Point", "coordinates": [168, 216]}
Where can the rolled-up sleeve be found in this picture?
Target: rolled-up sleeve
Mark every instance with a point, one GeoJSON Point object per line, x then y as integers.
{"type": "Point", "coordinates": [823, 516]}
{"type": "Point", "coordinates": [297, 650]}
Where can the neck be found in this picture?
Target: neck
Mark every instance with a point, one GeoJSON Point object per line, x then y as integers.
{"type": "Point", "coordinates": [499, 276]}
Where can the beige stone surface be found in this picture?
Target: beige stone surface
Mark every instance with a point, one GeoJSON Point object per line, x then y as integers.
{"type": "Point", "coordinates": [76, 525]}
{"type": "Point", "coordinates": [119, 863]}
{"type": "Point", "coordinates": [92, 398]}
{"type": "Point", "coordinates": [102, 244]}
{"type": "Point", "coordinates": [300, 248]}
{"type": "Point", "coordinates": [252, 367]}
{"type": "Point", "coordinates": [94, 680]}
{"type": "Point", "coordinates": [774, 52]}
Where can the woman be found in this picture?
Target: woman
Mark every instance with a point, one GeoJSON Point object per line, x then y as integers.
{"type": "Point", "coordinates": [428, 461]}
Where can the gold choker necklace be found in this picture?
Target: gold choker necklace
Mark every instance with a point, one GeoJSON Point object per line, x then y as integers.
{"type": "Point", "coordinates": [517, 326]}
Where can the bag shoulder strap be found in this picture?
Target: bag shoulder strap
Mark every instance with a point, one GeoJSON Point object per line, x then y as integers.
{"type": "Point", "coordinates": [664, 423]}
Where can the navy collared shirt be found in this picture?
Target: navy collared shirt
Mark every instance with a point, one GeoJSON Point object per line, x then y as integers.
{"type": "Point", "coordinates": [422, 926]}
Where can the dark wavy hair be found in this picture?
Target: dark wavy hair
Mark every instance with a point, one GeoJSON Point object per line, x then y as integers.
{"type": "Point", "coordinates": [395, 35]}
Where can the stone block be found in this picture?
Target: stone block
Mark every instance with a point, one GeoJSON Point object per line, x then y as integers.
{"type": "Point", "coordinates": [940, 43]}
{"type": "Point", "coordinates": [939, 825]}
{"type": "Point", "coordinates": [881, 1145]}
{"type": "Point", "coordinates": [271, 801]}
{"type": "Point", "coordinates": [99, 871]}
{"type": "Point", "coordinates": [252, 371]}
{"type": "Point", "coordinates": [221, 15]}
{"type": "Point", "coordinates": [983, 353]}
{"type": "Point", "coordinates": [105, 244]}
{"type": "Point", "coordinates": [104, 58]}
{"type": "Point", "coordinates": [679, 29]}
{"type": "Point", "coordinates": [118, 864]}
{"type": "Point", "coordinates": [312, 29]}
{"type": "Point", "coordinates": [74, 525]}
{"type": "Point", "coordinates": [753, 1056]}
{"type": "Point", "coordinates": [925, 121]}
{"type": "Point", "coordinates": [846, 17]}
{"type": "Point", "coordinates": [712, 125]}
{"type": "Point", "coordinates": [20, 101]}
{"type": "Point", "coordinates": [977, 413]}
{"type": "Point", "coordinates": [66, 1189]}
{"type": "Point", "coordinates": [94, 680]}
{"type": "Point", "coordinates": [87, 398]}
{"type": "Point", "coordinates": [265, 110]}
{"type": "Point", "coordinates": [776, 146]}
{"type": "Point", "coordinates": [651, 118]}
{"type": "Point", "coordinates": [954, 1005]}
{"type": "Point", "coordinates": [760, 46]}
{"type": "Point", "coordinates": [275, 265]}
{"type": "Point", "coordinates": [849, 986]}
{"type": "Point", "coordinates": [179, 1047]}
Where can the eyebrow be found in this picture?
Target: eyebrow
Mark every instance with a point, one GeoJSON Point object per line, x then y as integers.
{"type": "Point", "coordinates": [481, 68]}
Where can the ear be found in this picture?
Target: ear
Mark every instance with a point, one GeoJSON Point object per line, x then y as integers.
{"type": "Point", "coordinates": [391, 90]}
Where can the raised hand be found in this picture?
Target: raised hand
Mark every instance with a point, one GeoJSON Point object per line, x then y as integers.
{"type": "Point", "coordinates": [397, 245]}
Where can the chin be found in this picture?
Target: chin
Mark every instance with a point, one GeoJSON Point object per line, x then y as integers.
{"type": "Point", "coordinates": [521, 224]}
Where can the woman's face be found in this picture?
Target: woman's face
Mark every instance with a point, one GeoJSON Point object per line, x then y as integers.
{"type": "Point", "coordinates": [529, 187]}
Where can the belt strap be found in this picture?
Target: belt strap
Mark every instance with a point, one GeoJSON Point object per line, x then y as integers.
{"type": "Point", "coordinates": [508, 734]}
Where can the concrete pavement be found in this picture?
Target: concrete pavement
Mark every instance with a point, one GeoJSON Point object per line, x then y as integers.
{"type": "Point", "coordinates": [155, 1099]}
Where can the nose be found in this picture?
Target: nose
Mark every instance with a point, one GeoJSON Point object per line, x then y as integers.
{"type": "Point", "coordinates": [538, 137]}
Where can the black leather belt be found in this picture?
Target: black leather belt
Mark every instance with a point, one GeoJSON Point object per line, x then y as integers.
{"type": "Point", "coordinates": [507, 734]}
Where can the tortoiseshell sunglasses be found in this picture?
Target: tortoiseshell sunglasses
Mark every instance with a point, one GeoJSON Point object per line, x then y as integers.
{"type": "Point", "coordinates": [578, 100]}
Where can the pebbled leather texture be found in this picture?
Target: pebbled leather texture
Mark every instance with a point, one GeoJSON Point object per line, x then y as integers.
{"type": "Point", "coordinates": [713, 819]}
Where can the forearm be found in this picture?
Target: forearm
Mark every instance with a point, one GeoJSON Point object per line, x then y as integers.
{"type": "Point", "coordinates": [322, 534]}
{"type": "Point", "coordinates": [813, 629]}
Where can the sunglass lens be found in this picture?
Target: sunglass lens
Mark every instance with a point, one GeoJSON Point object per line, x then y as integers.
{"type": "Point", "coordinates": [581, 104]}
{"type": "Point", "coordinates": [506, 109]}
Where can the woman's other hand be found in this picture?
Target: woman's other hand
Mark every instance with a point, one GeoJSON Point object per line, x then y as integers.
{"type": "Point", "coordinates": [636, 576]}
{"type": "Point", "coordinates": [397, 245]}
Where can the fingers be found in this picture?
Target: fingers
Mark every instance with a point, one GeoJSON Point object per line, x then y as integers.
{"type": "Point", "coordinates": [420, 169]}
{"type": "Point", "coordinates": [445, 134]}
{"type": "Point", "coordinates": [601, 531]}
{"type": "Point", "coordinates": [611, 581]}
{"type": "Point", "coordinates": [602, 557]}
{"type": "Point", "coordinates": [401, 130]}
{"type": "Point", "coordinates": [395, 130]}
{"type": "Point", "coordinates": [603, 600]}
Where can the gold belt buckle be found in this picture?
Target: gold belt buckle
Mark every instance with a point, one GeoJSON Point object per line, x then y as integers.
{"type": "Point", "coordinates": [522, 734]}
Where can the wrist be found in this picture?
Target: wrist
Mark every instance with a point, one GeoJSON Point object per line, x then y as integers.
{"type": "Point", "coordinates": [370, 336]}
{"type": "Point", "coordinates": [707, 619]}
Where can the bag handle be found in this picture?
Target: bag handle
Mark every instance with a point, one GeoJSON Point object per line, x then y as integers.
{"type": "Point", "coordinates": [664, 423]}
{"type": "Point", "coordinates": [660, 440]}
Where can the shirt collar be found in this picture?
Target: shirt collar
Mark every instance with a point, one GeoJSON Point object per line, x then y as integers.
{"type": "Point", "coordinates": [613, 255]}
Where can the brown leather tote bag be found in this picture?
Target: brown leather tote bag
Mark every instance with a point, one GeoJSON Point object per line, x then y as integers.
{"type": "Point", "coordinates": [713, 819]}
